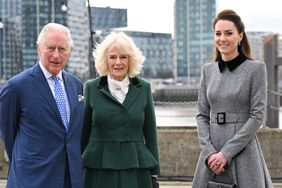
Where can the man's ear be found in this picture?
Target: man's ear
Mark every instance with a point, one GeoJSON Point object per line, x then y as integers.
{"type": "Point", "coordinates": [38, 47]}
{"type": "Point", "coordinates": [38, 50]}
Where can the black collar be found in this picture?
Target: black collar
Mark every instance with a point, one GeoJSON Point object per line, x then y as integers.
{"type": "Point", "coordinates": [104, 82]}
{"type": "Point", "coordinates": [232, 64]}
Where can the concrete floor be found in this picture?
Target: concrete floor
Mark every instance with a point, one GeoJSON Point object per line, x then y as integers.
{"type": "Point", "coordinates": [163, 184]}
{"type": "Point", "coordinates": [166, 184]}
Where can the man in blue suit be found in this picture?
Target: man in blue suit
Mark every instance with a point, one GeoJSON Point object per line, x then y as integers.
{"type": "Point", "coordinates": [43, 145]}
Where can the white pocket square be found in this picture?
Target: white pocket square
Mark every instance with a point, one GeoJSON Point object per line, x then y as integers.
{"type": "Point", "coordinates": [80, 98]}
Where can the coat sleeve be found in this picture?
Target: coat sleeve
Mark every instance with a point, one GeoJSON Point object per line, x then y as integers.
{"type": "Point", "coordinates": [150, 130]}
{"type": "Point", "coordinates": [257, 106]}
{"type": "Point", "coordinates": [203, 119]}
{"type": "Point", "coordinates": [9, 116]}
{"type": "Point", "coordinates": [86, 129]}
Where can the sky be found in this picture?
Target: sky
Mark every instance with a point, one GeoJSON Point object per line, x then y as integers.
{"type": "Point", "coordinates": [157, 15]}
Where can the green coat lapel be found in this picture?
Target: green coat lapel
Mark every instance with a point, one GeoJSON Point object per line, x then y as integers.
{"type": "Point", "coordinates": [133, 92]}
{"type": "Point", "coordinates": [103, 86]}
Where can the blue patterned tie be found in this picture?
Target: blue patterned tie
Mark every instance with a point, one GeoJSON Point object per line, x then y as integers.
{"type": "Point", "coordinates": [61, 100]}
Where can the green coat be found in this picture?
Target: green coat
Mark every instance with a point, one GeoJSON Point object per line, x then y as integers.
{"type": "Point", "coordinates": [119, 136]}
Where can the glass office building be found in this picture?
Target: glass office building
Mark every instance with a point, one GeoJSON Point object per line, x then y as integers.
{"type": "Point", "coordinates": [23, 21]}
{"type": "Point", "coordinates": [193, 38]}
{"type": "Point", "coordinates": [157, 49]}
{"type": "Point", "coordinates": [104, 18]}
{"type": "Point", "coordinates": [10, 39]}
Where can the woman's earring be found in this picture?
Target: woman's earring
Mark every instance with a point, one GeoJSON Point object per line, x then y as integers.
{"type": "Point", "coordinates": [239, 43]}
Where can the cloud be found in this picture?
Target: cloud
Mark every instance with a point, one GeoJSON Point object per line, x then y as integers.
{"type": "Point", "coordinates": [257, 15]}
{"type": "Point", "coordinates": [158, 15]}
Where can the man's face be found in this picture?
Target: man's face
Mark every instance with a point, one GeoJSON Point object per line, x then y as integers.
{"type": "Point", "coordinates": [54, 51]}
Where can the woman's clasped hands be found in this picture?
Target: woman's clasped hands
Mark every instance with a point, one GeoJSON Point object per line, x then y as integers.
{"type": "Point", "coordinates": [217, 162]}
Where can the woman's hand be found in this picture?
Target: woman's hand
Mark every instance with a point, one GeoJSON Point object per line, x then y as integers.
{"type": "Point", "coordinates": [216, 162]}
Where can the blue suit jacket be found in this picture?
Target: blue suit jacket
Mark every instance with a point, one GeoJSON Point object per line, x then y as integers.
{"type": "Point", "coordinates": [33, 132]}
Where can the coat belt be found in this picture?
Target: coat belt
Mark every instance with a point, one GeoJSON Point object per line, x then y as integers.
{"type": "Point", "coordinates": [230, 117]}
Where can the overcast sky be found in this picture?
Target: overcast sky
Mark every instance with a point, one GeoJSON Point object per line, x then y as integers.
{"type": "Point", "coordinates": [157, 15]}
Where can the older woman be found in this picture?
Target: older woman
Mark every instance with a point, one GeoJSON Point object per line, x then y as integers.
{"type": "Point", "coordinates": [119, 140]}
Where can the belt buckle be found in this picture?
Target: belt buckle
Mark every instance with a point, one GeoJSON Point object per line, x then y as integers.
{"type": "Point", "coordinates": [220, 118]}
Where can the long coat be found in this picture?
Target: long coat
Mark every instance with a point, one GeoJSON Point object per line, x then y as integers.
{"type": "Point", "coordinates": [119, 136]}
{"type": "Point", "coordinates": [241, 95]}
{"type": "Point", "coordinates": [34, 134]}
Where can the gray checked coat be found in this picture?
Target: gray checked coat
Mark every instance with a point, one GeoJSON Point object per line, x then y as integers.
{"type": "Point", "coordinates": [241, 95]}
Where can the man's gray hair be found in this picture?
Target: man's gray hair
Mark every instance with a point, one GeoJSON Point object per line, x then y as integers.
{"type": "Point", "coordinates": [51, 26]}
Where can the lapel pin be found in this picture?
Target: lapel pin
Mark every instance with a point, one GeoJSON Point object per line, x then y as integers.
{"type": "Point", "coordinates": [80, 98]}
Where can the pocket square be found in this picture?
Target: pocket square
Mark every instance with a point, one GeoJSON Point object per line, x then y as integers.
{"type": "Point", "coordinates": [80, 98]}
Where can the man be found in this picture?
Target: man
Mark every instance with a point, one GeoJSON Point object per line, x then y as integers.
{"type": "Point", "coordinates": [41, 137]}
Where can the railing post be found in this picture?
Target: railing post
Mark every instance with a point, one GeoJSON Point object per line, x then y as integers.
{"type": "Point", "coordinates": [270, 58]}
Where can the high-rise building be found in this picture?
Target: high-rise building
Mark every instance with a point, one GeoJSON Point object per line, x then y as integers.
{"type": "Point", "coordinates": [29, 17]}
{"type": "Point", "coordinates": [256, 40]}
{"type": "Point", "coordinates": [35, 14]}
{"type": "Point", "coordinates": [10, 39]}
{"type": "Point", "coordinates": [78, 23]}
{"type": "Point", "coordinates": [193, 37]}
{"type": "Point", "coordinates": [279, 45]}
{"type": "Point", "coordinates": [104, 18]}
{"type": "Point", "coordinates": [157, 49]}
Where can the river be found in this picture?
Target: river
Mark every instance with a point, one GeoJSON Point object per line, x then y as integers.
{"type": "Point", "coordinates": [182, 115]}
{"type": "Point", "coordinates": [176, 115]}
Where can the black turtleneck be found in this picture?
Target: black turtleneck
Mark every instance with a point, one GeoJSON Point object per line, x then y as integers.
{"type": "Point", "coordinates": [232, 64]}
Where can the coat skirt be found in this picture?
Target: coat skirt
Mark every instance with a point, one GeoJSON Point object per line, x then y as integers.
{"type": "Point", "coordinates": [132, 178]}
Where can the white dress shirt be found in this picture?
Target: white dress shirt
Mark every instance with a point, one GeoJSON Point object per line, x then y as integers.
{"type": "Point", "coordinates": [51, 83]}
{"type": "Point", "coordinates": [118, 89]}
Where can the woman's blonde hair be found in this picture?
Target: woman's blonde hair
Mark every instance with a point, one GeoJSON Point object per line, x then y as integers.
{"type": "Point", "coordinates": [124, 44]}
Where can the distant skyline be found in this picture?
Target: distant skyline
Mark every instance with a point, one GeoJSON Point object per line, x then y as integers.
{"type": "Point", "coordinates": [157, 15]}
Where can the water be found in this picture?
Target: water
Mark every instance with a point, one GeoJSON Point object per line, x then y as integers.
{"type": "Point", "coordinates": [182, 115]}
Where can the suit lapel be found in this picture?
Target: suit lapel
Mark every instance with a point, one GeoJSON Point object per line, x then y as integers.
{"type": "Point", "coordinates": [70, 95]}
{"type": "Point", "coordinates": [40, 82]}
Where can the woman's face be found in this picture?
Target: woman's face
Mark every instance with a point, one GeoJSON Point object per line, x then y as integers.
{"type": "Point", "coordinates": [118, 63]}
{"type": "Point", "coordinates": [227, 39]}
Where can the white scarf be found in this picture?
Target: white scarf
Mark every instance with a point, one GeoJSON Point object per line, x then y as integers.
{"type": "Point", "coordinates": [118, 89]}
